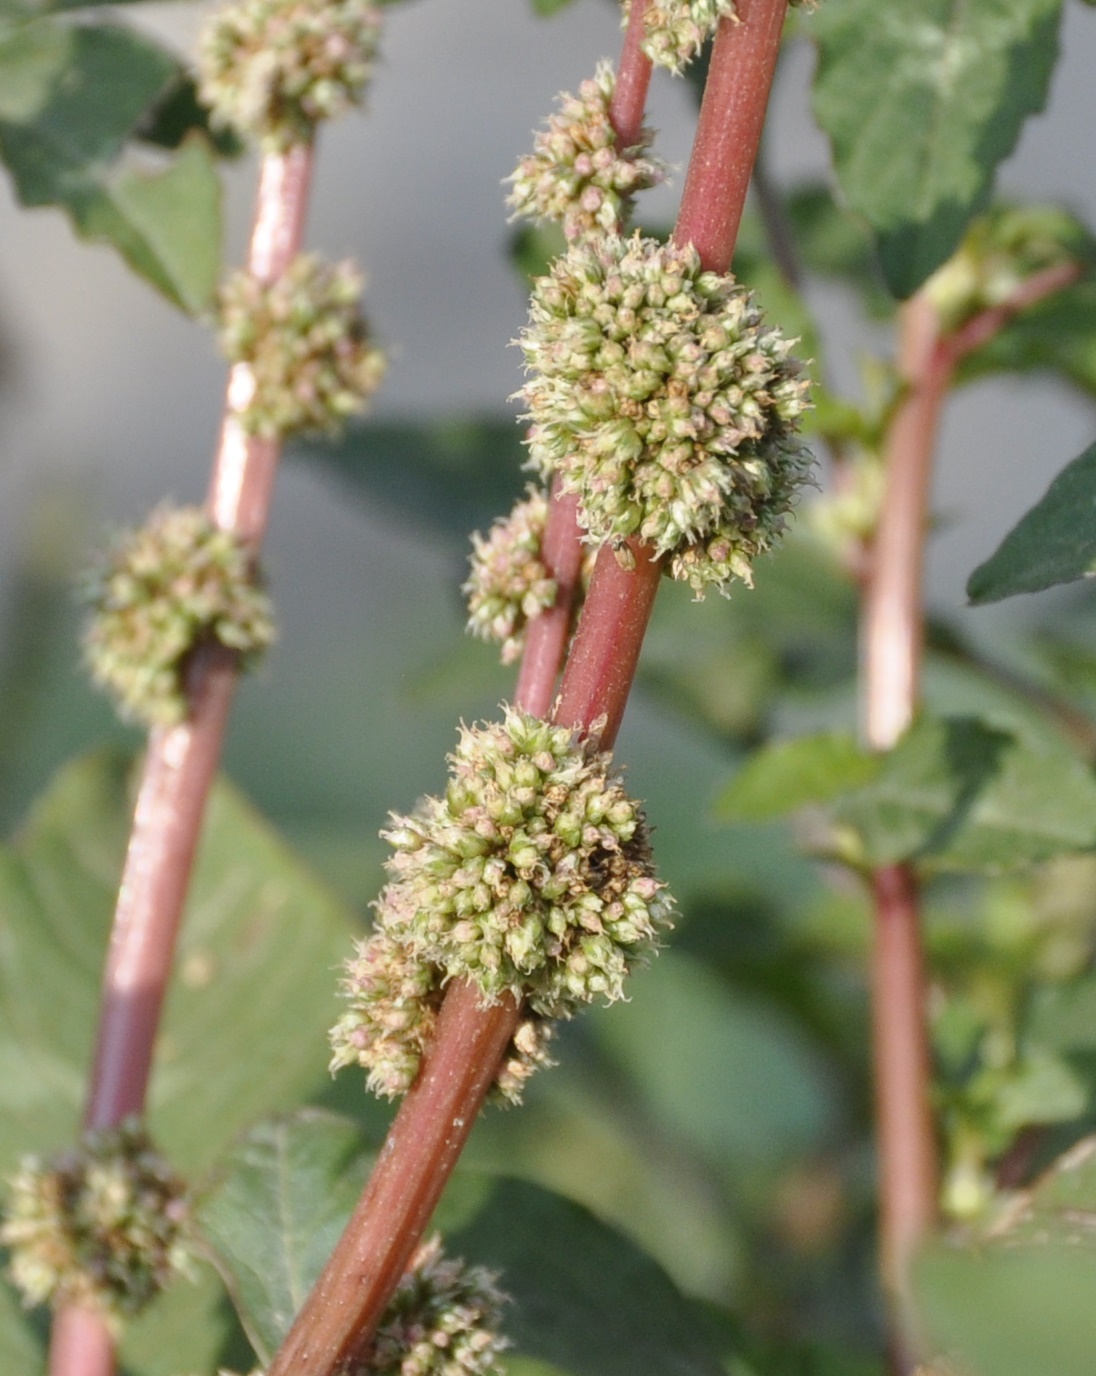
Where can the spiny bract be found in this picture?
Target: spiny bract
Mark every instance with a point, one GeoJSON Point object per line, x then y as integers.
{"type": "Point", "coordinates": [532, 874]}
{"type": "Point", "coordinates": [662, 400]}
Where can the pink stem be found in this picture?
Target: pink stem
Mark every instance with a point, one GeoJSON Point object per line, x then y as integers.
{"type": "Point", "coordinates": [179, 768]}
{"type": "Point", "coordinates": [633, 79]}
{"type": "Point", "coordinates": [546, 639]}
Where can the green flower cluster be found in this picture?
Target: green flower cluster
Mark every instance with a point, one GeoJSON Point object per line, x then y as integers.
{"type": "Point", "coordinates": [164, 589]}
{"type": "Point", "coordinates": [306, 344]}
{"type": "Point", "coordinates": [676, 30]}
{"type": "Point", "coordinates": [532, 874]}
{"type": "Point", "coordinates": [443, 1320]}
{"type": "Point", "coordinates": [576, 174]}
{"type": "Point", "coordinates": [508, 585]}
{"type": "Point", "coordinates": [394, 997]}
{"type": "Point", "coordinates": [272, 69]}
{"type": "Point", "coordinates": [102, 1225]}
{"type": "Point", "coordinates": [665, 404]}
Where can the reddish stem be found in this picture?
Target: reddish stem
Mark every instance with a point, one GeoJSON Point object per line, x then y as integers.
{"type": "Point", "coordinates": [546, 639]}
{"type": "Point", "coordinates": [728, 133]}
{"type": "Point", "coordinates": [626, 110]}
{"type": "Point", "coordinates": [356, 1285]}
{"type": "Point", "coordinates": [179, 768]}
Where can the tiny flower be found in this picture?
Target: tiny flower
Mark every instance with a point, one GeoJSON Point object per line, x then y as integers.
{"type": "Point", "coordinates": [665, 404]}
{"type": "Point", "coordinates": [102, 1225]}
{"type": "Point", "coordinates": [532, 874]}
{"type": "Point", "coordinates": [164, 589]}
{"type": "Point", "coordinates": [676, 30]}
{"type": "Point", "coordinates": [273, 69]}
{"type": "Point", "coordinates": [394, 997]}
{"type": "Point", "coordinates": [576, 174]}
{"type": "Point", "coordinates": [443, 1320]}
{"type": "Point", "coordinates": [306, 344]}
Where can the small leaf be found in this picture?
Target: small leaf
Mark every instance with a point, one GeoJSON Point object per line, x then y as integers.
{"type": "Point", "coordinates": [955, 794]}
{"type": "Point", "coordinates": [72, 96]}
{"type": "Point", "coordinates": [1055, 542]}
{"type": "Point", "coordinates": [289, 1187]}
{"type": "Point", "coordinates": [785, 775]}
{"type": "Point", "coordinates": [549, 7]}
{"type": "Point", "coordinates": [922, 101]}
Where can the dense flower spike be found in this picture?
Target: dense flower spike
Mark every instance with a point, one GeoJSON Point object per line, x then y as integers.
{"type": "Point", "coordinates": [177, 581]}
{"type": "Point", "coordinates": [306, 343]}
{"type": "Point", "coordinates": [532, 874]}
{"type": "Point", "coordinates": [102, 1225]}
{"type": "Point", "coordinates": [394, 998]}
{"type": "Point", "coordinates": [443, 1320]}
{"type": "Point", "coordinates": [272, 69]}
{"type": "Point", "coordinates": [665, 404]}
{"type": "Point", "coordinates": [674, 31]}
{"type": "Point", "coordinates": [576, 174]}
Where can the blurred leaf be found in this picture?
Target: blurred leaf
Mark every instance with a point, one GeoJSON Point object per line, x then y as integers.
{"type": "Point", "coordinates": [179, 113]}
{"type": "Point", "coordinates": [71, 97]}
{"type": "Point", "coordinates": [785, 775]}
{"type": "Point", "coordinates": [922, 101]}
{"type": "Point", "coordinates": [586, 1300]}
{"type": "Point", "coordinates": [533, 247]}
{"type": "Point", "coordinates": [833, 243]}
{"type": "Point", "coordinates": [547, 7]}
{"type": "Point", "coordinates": [1055, 542]}
{"type": "Point", "coordinates": [288, 1189]}
{"type": "Point", "coordinates": [1040, 1089]}
{"type": "Point", "coordinates": [258, 946]}
{"type": "Point", "coordinates": [22, 1336]}
{"type": "Point", "coordinates": [1059, 1209]}
{"type": "Point", "coordinates": [684, 1031]}
{"type": "Point", "coordinates": [447, 477]}
{"type": "Point", "coordinates": [958, 795]}
{"type": "Point", "coordinates": [1011, 1312]}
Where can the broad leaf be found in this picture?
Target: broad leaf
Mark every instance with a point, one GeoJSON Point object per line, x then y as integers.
{"type": "Point", "coordinates": [921, 102]}
{"type": "Point", "coordinates": [585, 1300]}
{"type": "Point", "coordinates": [255, 987]}
{"type": "Point", "coordinates": [955, 794]}
{"type": "Point", "coordinates": [71, 97]}
{"type": "Point", "coordinates": [785, 775]}
{"type": "Point", "coordinates": [1055, 542]}
{"type": "Point", "coordinates": [273, 1221]}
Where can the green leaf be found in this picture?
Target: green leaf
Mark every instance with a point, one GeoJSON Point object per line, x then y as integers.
{"type": "Point", "coordinates": [785, 775]}
{"type": "Point", "coordinates": [585, 1299]}
{"type": "Point", "coordinates": [290, 1186]}
{"type": "Point", "coordinates": [921, 102]}
{"type": "Point", "coordinates": [255, 986]}
{"type": "Point", "coordinates": [955, 794]}
{"type": "Point", "coordinates": [1011, 1312]}
{"type": "Point", "coordinates": [549, 7]}
{"type": "Point", "coordinates": [72, 96]}
{"type": "Point", "coordinates": [1055, 542]}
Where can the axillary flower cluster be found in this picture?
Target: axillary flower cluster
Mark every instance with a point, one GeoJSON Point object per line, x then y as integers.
{"type": "Point", "coordinates": [531, 876]}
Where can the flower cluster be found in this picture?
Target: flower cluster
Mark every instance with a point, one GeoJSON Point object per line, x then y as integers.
{"type": "Point", "coordinates": [532, 874]}
{"type": "Point", "coordinates": [102, 1225]}
{"type": "Point", "coordinates": [576, 174]}
{"type": "Point", "coordinates": [312, 363]}
{"type": "Point", "coordinates": [394, 997]}
{"type": "Point", "coordinates": [164, 589]}
{"type": "Point", "coordinates": [273, 69]}
{"type": "Point", "coordinates": [665, 404]}
{"type": "Point", "coordinates": [674, 31]}
{"type": "Point", "coordinates": [443, 1320]}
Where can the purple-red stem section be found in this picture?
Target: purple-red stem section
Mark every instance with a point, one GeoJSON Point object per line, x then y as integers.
{"type": "Point", "coordinates": [180, 765]}
{"type": "Point", "coordinates": [546, 639]}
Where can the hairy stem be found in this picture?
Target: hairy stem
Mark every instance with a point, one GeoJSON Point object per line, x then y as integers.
{"type": "Point", "coordinates": [179, 768]}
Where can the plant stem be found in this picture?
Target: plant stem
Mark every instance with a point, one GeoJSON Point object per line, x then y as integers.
{"type": "Point", "coordinates": [546, 637]}
{"type": "Point", "coordinates": [179, 768]}
{"type": "Point", "coordinates": [337, 1320]}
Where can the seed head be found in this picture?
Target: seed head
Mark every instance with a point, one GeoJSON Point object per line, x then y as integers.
{"type": "Point", "coordinates": [306, 344]}
{"type": "Point", "coordinates": [102, 1225]}
{"type": "Point", "coordinates": [676, 30]}
{"type": "Point", "coordinates": [443, 1320]}
{"type": "Point", "coordinates": [662, 401]}
{"type": "Point", "coordinates": [576, 175]}
{"type": "Point", "coordinates": [163, 589]}
{"type": "Point", "coordinates": [273, 69]}
{"type": "Point", "coordinates": [394, 998]}
{"type": "Point", "coordinates": [532, 874]}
